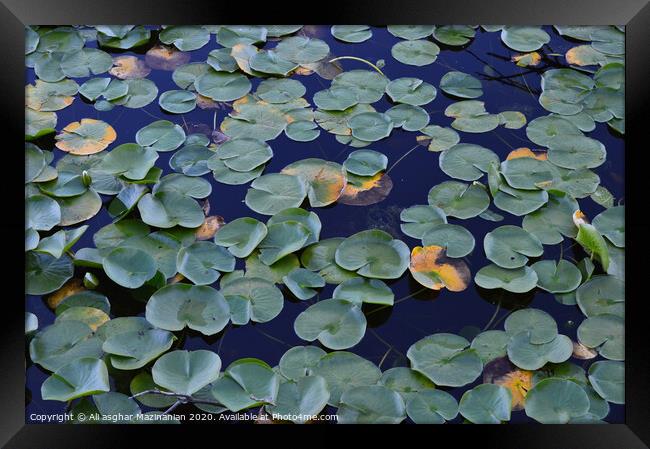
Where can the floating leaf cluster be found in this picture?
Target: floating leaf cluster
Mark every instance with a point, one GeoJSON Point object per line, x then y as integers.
{"type": "Point", "coordinates": [163, 248]}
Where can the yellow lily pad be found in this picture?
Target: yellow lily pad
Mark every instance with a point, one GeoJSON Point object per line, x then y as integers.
{"type": "Point", "coordinates": [431, 267]}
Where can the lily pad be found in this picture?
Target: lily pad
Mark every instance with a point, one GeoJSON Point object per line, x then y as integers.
{"type": "Point", "coordinates": [461, 85]}
{"type": "Point", "coordinates": [373, 254]}
{"type": "Point", "coordinates": [511, 246]}
{"type": "Point", "coordinates": [431, 267]}
{"type": "Point", "coordinates": [81, 377]}
{"type": "Point", "coordinates": [336, 323]}
{"type": "Point", "coordinates": [486, 404]}
{"type": "Point", "coordinates": [373, 404]}
{"type": "Point", "coordinates": [467, 162]}
{"type": "Point", "coordinates": [560, 277]}
{"type": "Point", "coordinates": [415, 52]}
{"type": "Point", "coordinates": [459, 200]}
{"type": "Point", "coordinates": [608, 379]}
{"type": "Point", "coordinates": [518, 280]}
{"type": "Point", "coordinates": [252, 298]}
{"type": "Point", "coordinates": [186, 372]}
{"type": "Point", "coordinates": [606, 333]}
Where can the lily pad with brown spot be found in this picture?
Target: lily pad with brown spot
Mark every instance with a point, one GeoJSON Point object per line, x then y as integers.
{"type": "Point", "coordinates": [366, 190]}
{"type": "Point", "coordinates": [70, 288]}
{"type": "Point", "coordinates": [502, 372]}
{"type": "Point", "coordinates": [526, 152]}
{"type": "Point", "coordinates": [89, 136]}
{"type": "Point", "coordinates": [162, 57]}
{"type": "Point", "coordinates": [127, 67]}
{"type": "Point", "coordinates": [209, 227]}
{"type": "Point", "coordinates": [431, 267]}
{"type": "Point", "coordinates": [326, 180]}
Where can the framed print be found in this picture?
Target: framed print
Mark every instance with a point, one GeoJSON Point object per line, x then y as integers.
{"type": "Point", "coordinates": [423, 221]}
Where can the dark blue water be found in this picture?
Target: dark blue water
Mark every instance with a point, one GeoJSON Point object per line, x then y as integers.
{"type": "Point", "coordinates": [394, 329]}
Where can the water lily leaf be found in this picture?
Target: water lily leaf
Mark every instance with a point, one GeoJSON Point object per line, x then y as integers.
{"type": "Point", "coordinates": [61, 343]}
{"type": "Point", "coordinates": [247, 383]}
{"type": "Point", "coordinates": [608, 379]}
{"type": "Point", "coordinates": [303, 398]}
{"type": "Point", "coordinates": [415, 52]}
{"type": "Point", "coordinates": [510, 246]}
{"type": "Point", "coordinates": [270, 62]}
{"type": "Point", "coordinates": [420, 219]}
{"type": "Point", "coordinates": [351, 33]}
{"type": "Point", "coordinates": [524, 38]}
{"type": "Point", "coordinates": [518, 280]}
{"type": "Point", "coordinates": [42, 213]}
{"type": "Point", "coordinates": [556, 401]}
{"type": "Point", "coordinates": [539, 325]}
{"type": "Point", "coordinates": [38, 124]}
{"type": "Point", "coordinates": [343, 371]}
{"type": "Point", "coordinates": [90, 316]}
{"type": "Point", "coordinates": [241, 236]}
{"type": "Point", "coordinates": [308, 219]}
{"type": "Point", "coordinates": [490, 345]}
{"type": "Point", "coordinates": [244, 154]}
{"type": "Point", "coordinates": [185, 37]}
{"type": "Point", "coordinates": [274, 272]}
{"type": "Point", "coordinates": [576, 152]}
{"type": "Point", "coordinates": [325, 180]}
{"type": "Point", "coordinates": [129, 160]}
{"type": "Point", "coordinates": [299, 361]}
{"type": "Point", "coordinates": [44, 273]}
{"type": "Point", "coordinates": [302, 282]}
{"type": "Point", "coordinates": [370, 126]}
{"type": "Point", "coordinates": [321, 257]}
{"type": "Point", "coordinates": [252, 298]}
{"type": "Point", "coordinates": [272, 193]}
{"type": "Point", "coordinates": [372, 404]}
{"type": "Point", "coordinates": [335, 98]}
{"type": "Point", "coordinates": [605, 332]}
{"type": "Point", "coordinates": [117, 37]}
{"type": "Point", "coordinates": [183, 184]}
{"type": "Point", "coordinates": [162, 57]}
{"type": "Point", "coordinates": [177, 101]}
{"type": "Point", "coordinates": [85, 137]}
{"type": "Point", "coordinates": [359, 291]}
{"type": "Point", "coordinates": [140, 92]}
{"type": "Point", "coordinates": [409, 384]}
{"type": "Point", "coordinates": [281, 30]}
{"type": "Point", "coordinates": [461, 85]}
{"type": "Point", "coordinates": [411, 91]}
{"type": "Point", "coordinates": [445, 359]}
{"type": "Point", "coordinates": [201, 262]}
{"type": "Point", "coordinates": [161, 135]}
{"type": "Point", "coordinates": [467, 162]}
{"type": "Point", "coordinates": [454, 34]}
{"type": "Point", "coordinates": [602, 295]}
{"type": "Point", "coordinates": [456, 240]}
{"type": "Point", "coordinates": [366, 86]}
{"type": "Point", "coordinates": [280, 90]}
{"type": "Point", "coordinates": [129, 67]}
{"type": "Point", "coordinates": [302, 131]}
{"type": "Point", "coordinates": [81, 377]}
{"type": "Point", "coordinates": [562, 277]}
{"type": "Point", "coordinates": [192, 160]}
{"type": "Point", "coordinates": [336, 323]}
{"type": "Point", "coordinates": [373, 254]}
{"type": "Point", "coordinates": [365, 162]}
{"type": "Point", "coordinates": [186, 372]}
{"type": "Point", "coordinates": [129, 267]}
{"type": "Point", "coordinates": [530, 356]}
{"type": "Point", "coordinates": [45, 97]}
{"type": "Point", "coordinates": [459, 200]}
{"type": "Point", "coordinates": [441, 138]}
{"type": "Point", "coordinates": [519, 202]}
{"type": "Point", "coordinates": [591, 240]}
{"type": "Point", "coordinates": [486, 404]}
{"type": "Point", "coordinates": [283, 238]}
{"type": "Point", "coordinates": [611, 224]}
{"type": "Point", "coordinates": [411, 32]}
{"type": "Point", "coordinates": [302, 50]}
{"type": "Point", "coordinates": [169, 209]}
{"type": "Point", "coordinates": [231, 35]}
{"type": "Point", "coordinates": [80, 298]}
{"type": "Point", "coordinates": [221, 86]}
{"type": "Point", "coordinates": [431, 267]}
{"type": "Point", "coordinates": [408, 117]}
{"type": "Point", "coordinates": [177, 306]}
{"type": "Point", "coordinates": [86, 61]}
{"type": "Point", "coordinates": [553, 221]}
{"type": "Point", "coordinates": [133, 350]}
{"type": "Point", "coordinates": [432, 407]}
{"type": "Point", "coordinates": [470, 116]}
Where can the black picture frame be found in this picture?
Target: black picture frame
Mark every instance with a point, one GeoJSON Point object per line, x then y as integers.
{"type": "Point", "coordinates": [634, 14]}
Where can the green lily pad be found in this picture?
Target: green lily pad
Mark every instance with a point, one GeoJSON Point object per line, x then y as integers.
{"type": "Point", "coordinates": [611, 224]}
{"type": "Point", "coordinates": [201, 262]}
{"type": "Point", "coordinates": [280, 90]}
{"type": "Point", "coordinates": [486, 404]}
{"type": "Point", "coordinates": [445, 359]}
{"type": "Point", "coordinates": [299, 361]}
{"type": "Point", "coordinates": [556, 401]}
{"type": "Point", "coordinates": [252, 298]}
{"type": "Point", "coordinates": [270, 62]}
{"type": "Point", "coordinates": [129, 267]}
{"type": "Point", "coordinates": [133, 350]}
{"type": "Point", "coordinates": [530, 356]}
{"type": "Point", "coordinates": [169, 209]}
{"type": "Point", "coordinates": [454, 35]}
{"type": "Point", "coordinates": [269, 194]}
{"type": "Point", "coordinates": [246, 383]}
{"type": "Point", "coordinates": [42, 213]}
{"type": "Point", "coordinates": [365, 162]}
{"type": "Point", "coordinates": [524, 38]}
{"type": "Point", "coordinates": [411, 91]}
{"type": "Point", "coordinates": [336, 323]}
{"type": "Point", "coordinates": [177, 101]}
{"type": "Point", "coordinates": [415, 52]}
{"type": "Point", "coordinates": [606, 333]}
{"type": "Point", "coordinates": [461, 85]}
{"type": "Point", "coordinates": [302, 282]}
{"type": "Point", "coordinates": [81, 377]}
{"type": "Point", "coordinates": [61, 343]}
{"type": "Point", "coordinates": [220, 86]}
{"type": "Point", "coordinates": [455, 239]}
{"type": "Point", "coordinates": [301, 399]}
{"type": "Point", "coordinates": [344, 370]}
{"type": "Point", "coordinates": [359, 291]}
{"type": "Point", "coordinates": [511, 246]}
{"type": "Point", "coordinates": [370, 126]}
{"type": "Point", "coordinates": [441, 138]}
{"type": "Point", "coordinates": [44, 273]}
{"type": "Point", "coordinates": [459, 200]}
{"type": "Point", "coordinates": [539, 325]}
{"type": "Point", "coordinates": [420, 219]}
{"type": "Point", "coordinates": [432, 407]}
{"type": "Point", "coordinates": [608, 379]}
{"type": "Point", "coordinates": [408, 117]}
{"type": "Point", "coordinates": [600, 295]}
{"type": "Point", "coordinates": [373, 254]}
{"type": "Point", "coordinates": [185, 37]}
{"type": "Point", "coordinates": [282, 239]}
{"type": "Point", "coordinates": [186, 372]}
{"type": "Point", "coordinates": [302, 50]}
{"type": "Point", "coordinates": [411, 32]}
{"type": "Point", "coordinates": [490, 345]}
{"type": "Point", "coordinates": [351, 33]}
{"type": "Point", "coordinates": [518, 280]}
{"type": "Point", "coordinates": [467, 162]}
{"type": "Point", "coordinates": [372, 404]}
{"type": "Point", "coordinates": [241, 236]}
{"type": "Point", "coordinates": [551, 223]}
{"type": "Point", "coordinates": [560, 277]}
{"type": "Point", "coordinates": [177, 306]}
{"type": "Point", "coordinates": [244, 154]}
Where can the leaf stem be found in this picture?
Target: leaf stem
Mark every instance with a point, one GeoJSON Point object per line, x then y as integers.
{"type": "Point", "coordinates": [354, 58]}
